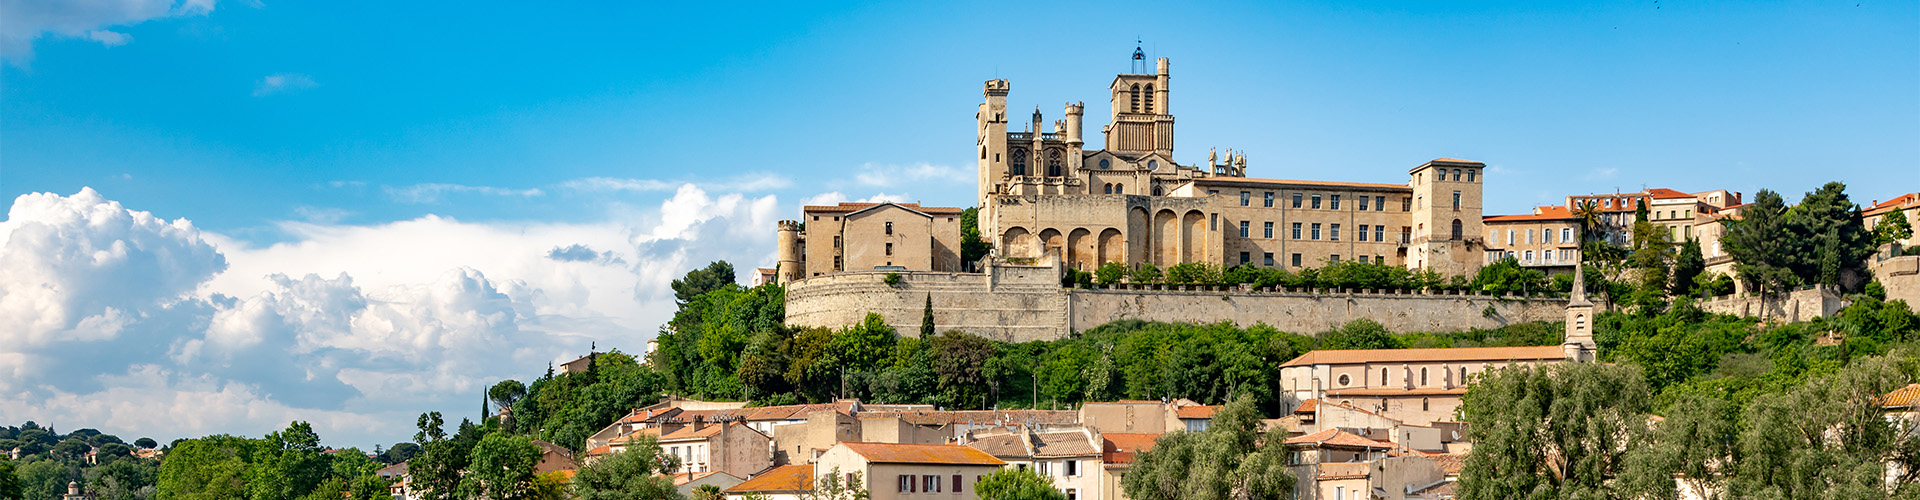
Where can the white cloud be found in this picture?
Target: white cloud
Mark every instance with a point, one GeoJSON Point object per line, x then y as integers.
{"type": "Point", "coordinates": [1602, 173]}
{"type": "Point", "coordinates": [751, 183]}
{"type": "Point", "coordinates": [281, 83]}
{"type": "Point", "coordinates": [431, 192]}
{"type": "Point", "coordinates": [23, 21]}
{"type": "Point", "coordinates": [833, 197]}
{"type": "Point", "coordinates": [320, 215]}
{"type": "Point", "coordinates": [877, 175]}
{"type": "Point", "coordinates": [353, 327]}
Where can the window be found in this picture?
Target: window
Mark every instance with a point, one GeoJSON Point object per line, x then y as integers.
{"type": "Point", "coordinates": [836, 263]}
{"type": "Point", "coordinates": [889, 228]}
{"type": "Point", "coordinates": [1213, 222]}
{"type": "Point", "coordinates": [1073, 494]}
{"type": "Point", "coordinates": [1149, 99]}
{"type": "Point", "coordinates": [956, 484]}
{"type": "Point", "coordinates": [906, 483]}
{"type": "Point", "coordinates": [836, 242]}
{"type": "Point", "coordinates": [1345, 380]}
{"type": "Point", "coordinates": [1213, 191]}
{"type": "Point", "coordinates": [1296, 200]}
{"type": "Point", "coordinates": [1380, 203]}
{"type": "Point", "coordinates": [1105, 164]}
{"type": "Point", "coordinates": [1316, 230]}
{"type": "Point", "coordinates": [1135, 106]}
{"type": "Point", "coordinates": [1529, 236]}
{"type": "Point", "coordinates": [1073, 468]}
{"type": "Point", "coordinates": [1269, 230]}
{"type": "Point", "coordinates": [1334, 203]}
{"type": "Point", "coordinates": [1423, 376]}
{"type": "Point", "coordinates": [1406, 234]}
{"type": "Point", "coordinates": [931, 483]}
{"type": "Point", "coordinates": [1457, 229]}
{"type": "Point", "coordinates": [1528, 255]}
{"type": "Point", "coordinates": [1470, 173]}
{"type": "Point", "coordinates": [1296, 230]}
{"type": "Point", "coordinates": [1107, 189]}
{"type": "Point", "coordinates": [1054, 163]}
{"type": "Point", "coordinates": [1334, 232]}
{"type": "Point", "coordinates": [1425, 404]}
{"type": "Point", "coordinates": [1153, 164]}
{"type": "Point", "coordinates": [1379, 233]}
{"type": "Point", "coordinates": [1363, 259]}
{"type": "Point", "coordinates": [1383, 376]}
{"type": "Point", "coordinates": [1296, 260]}
{"type": "Point", "coordinates": [1362, 236]}
{"type": "Point", "coordinates": [1269, 199]}
{"type": "Point", "coordinates": [1333, 259]}
{"type": "Point", "coordinates": [1363, 204]}
{"type": "Point", "coordinates": [1045, 470]}
{"type": "Point", "coordinates": [1018, 160]}
{"type": "Point", "coordinates": [1406, 204]}
{"type": "Point", "coordinates": [1243, 228]}
{"type": "Point", "coordinates": [1456, 174]}
{"type": "Point", "coordinates": [1119, 189]}
{"type": "Point", "coordinates": [1245, 258]}
{"type": "Point", "coordinates": [1245, 197]}
{"type": "Point", "coordinates": [1380, 259]}
{"type": "Point", "coordinates": [1316, 201]}
{"type": "Point", "coordinates": [1509, 236]}
{"type": "Point", "coordinates": [889, 249]}
{"type": "Point", "coordinates": [1456, 200]}
{"type": "Point", "coordinates": [1269, 258]}
{"type": "Point", "coordinates": [1463, 374]}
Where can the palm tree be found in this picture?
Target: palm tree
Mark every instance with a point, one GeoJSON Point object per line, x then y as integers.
{"type": "Point", "coordinates": [1591, 220]}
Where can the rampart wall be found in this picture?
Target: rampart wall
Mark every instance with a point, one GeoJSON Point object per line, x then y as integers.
{"type": "Point", "coordinates": [1017, 304]}
{"type": "Point", "coordinates": [1798, 305]}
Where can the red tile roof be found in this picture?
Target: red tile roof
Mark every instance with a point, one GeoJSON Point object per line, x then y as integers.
{"type": "Point", "coordinates": [782, 479]}
{"type": "Point", "coordinates": [1898, 203]}
{"type": "Point", "coordinates": [1450, 464]}
{"type": "Point", "coordinates": [855, 207]}
{"type": "Point", "coordinates": [1666, 194]}
{"type": "Point", "coordinates": [1196, 411]}
{"type": "Point", "coordinates": [1120, 448]}
{"type": "Point", "coordinates": [1552, 212]}
{"type": "Point", "coordinates": [1337, 437]}
{"type": "Point", "coordinates": [1359, 356]}
{"type": "Point", "coordinates": [1904, 397]}
{"type": "Point", "coordinates": [1307, 406]}
{"type": "Point", "coordinates": [922, 454]}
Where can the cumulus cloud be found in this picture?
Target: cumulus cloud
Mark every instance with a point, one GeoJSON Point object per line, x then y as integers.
{"type": "Point", "coordinates": [282, 83]}
{"type": "Point", "coordinates": [431, 192]}
{"type": "Point", "coordinates": [832, 197]}
{"type": "Point", "coordinates": [27, 20]}
{"type": "Point", "coordinates": [352, 327]}
{"type": "Point", "coordinates": [752, 182]}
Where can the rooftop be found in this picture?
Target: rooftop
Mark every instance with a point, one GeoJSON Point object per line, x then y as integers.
{"type": "Point", "coordinates": [782, 479]}
{"type": "Point", "coordinates": [1363, 356]}
{"type": "Point", "coordinates": [1904, 397]}
{"type": "Point", "coordinates": [1196, 411]}
{"type": "Point", "coordinates": [846, 207]}
{"type": "Point", "coordinates": [1120, 447]}
{"type": "Point", "coordinates": [1339, 438]}
{"type": "Point", "coordinates": [922, 454]}
{"type": "Point", "coordinates": [1550, 212]}
{"type": "Point", "coordinates": [1291, 182]}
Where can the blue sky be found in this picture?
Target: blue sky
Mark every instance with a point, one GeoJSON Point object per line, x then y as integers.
{"type": "Point", "coordinates": [414, 152]}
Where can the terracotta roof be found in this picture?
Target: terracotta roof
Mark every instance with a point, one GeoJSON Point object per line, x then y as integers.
{"type": "Point", "coordinates": [1443, 489]}
{"type": "Point", "coordinates": [922, 454]}
{"type": "Point", "coordinates": [1450, 464]}
{"type": "Point", "coordinates": [1901, 202]}
{"type": "Point", "coordinates": [1337, 437]}
{"type": "Point", "coordinates": [1307, 406]}
{"type": "Point", "coordinates": [682, 433]}
{"type": "Point", "coordinates": [855, 207]}
{"type": "Point", "coordinates": [1666, 194]}
{"type": "Point", "coordinates": [1904, 397]}
{"type": "Point", "coordinates": [1196, 411]}
{"type": "Point", "coordinates": [1295, 182]}
{"type": "Point", "coordinates": [1001, 445]}
{"type": "Point", "coordinates": [682, 478]}
{"type": "Point", "coordinates": [1553, 212]}
{"type": "Point", "coordinates": [977, 417]}
{"type": "Point", "coordinates": [1064, 444]}
{"type": "Point", "coordinates": [1359, 356]}
{"type": "Point", "coordinates": [782, 479]}
{"type": "Point", "coordinates": [1361, 410]}
{"type": "Point", "coordinates": [1120, 447]}
{"type": "Point", "coordinates": [600, 450]}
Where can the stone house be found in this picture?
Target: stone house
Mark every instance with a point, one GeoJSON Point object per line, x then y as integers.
{"type": "Point", "coordinates": [1416, 386]}
{"type": "Point", "coordinates": [1117, 451]}
{"type": "Point", "coordinates": [732, 447]}
{"type": "Point", "coordinates": [1071, 459]}
{"type": "Point", "coordinates": [909, 471]}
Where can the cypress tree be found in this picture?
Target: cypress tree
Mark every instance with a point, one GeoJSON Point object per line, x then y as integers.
{"type": "Point", "coordinates": [926, 319]}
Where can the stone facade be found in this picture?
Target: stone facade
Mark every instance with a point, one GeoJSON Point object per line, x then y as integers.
{"type": "Point", "coordinates": [865, 236]}
{"type": "Point", "coordinates": [1798, 305]}
{"type": "Point", "coordinates": [1021, 303]}
{"type": "Point", "coordinates": [1900, 276]}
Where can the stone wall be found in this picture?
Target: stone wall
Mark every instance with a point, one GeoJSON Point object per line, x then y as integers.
{"type": "Point", "coordinates": [1900, 276]}
{"type": "Point", "coordinates": [1023, 303]}
{"type": "Point", "coordinates": [1799, 305]}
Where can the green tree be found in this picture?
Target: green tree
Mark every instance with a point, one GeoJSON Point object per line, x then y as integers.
{"type": "Point", "coordinates": [146, 443]}
{"type": "Point", "coordinates": [1694, 442]}
{"type": "Point", "coordinates": [500, 468]}
{"type": "Point", "coordinates": [1762, 244]}
{"type": "Point", "coordinates": [1109, 273]}
{"type": "Point", "coordinates": [1507, 277]}
{"type": "Point", "coordinates": [959, 360]}
{"type": "Point", "coordinates": [708, 492]}
{"type": "Point", "coordinates": [636, 472]}
{"type": "Point", "coordinates": [435, 472]}
{"type": "Point", "coordinates": [1827, 438]}
{"type": "Point", "coordinates": [1193, 273]}
{"type": "Point", "coordinates": [717, 275]}
{"type": "Point", "coordinates": [1016, 484]}
{"type": "Point", "coordinates": [9, 479]}
{"type": "Point", "coordinates": [208, 468]}
{"type": "Point", "coordinates": [1231, 460]}
{"type": "Point", "coordinates": [288, 464]}
{"type": "Point", "coordinates": [47, 479]}
{"type": "Point", "coordinates": [1831, 238]}
{"type": "Point", "coordinates": [832, 487]}
{"type": "Point", "coordinates": [1144, 272]}
{"type": "Point", "coordinates": [972, 246]}
{"type": "Point", "coordinates": [1893, 226]}
{"type": "Point", "coordinates": [1687, 267]}
{"type": "Point", "coordinates": [926, 318]}
{"type": "Point", "coordinates": [1552, 432]}
{"type": "Point", "coordinates": [1359, 334]}
{"type": "Point", "coordinates": [506, 392]}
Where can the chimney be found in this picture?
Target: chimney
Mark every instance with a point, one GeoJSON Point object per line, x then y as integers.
{"type": "Point", "coordinates": [698, 423]}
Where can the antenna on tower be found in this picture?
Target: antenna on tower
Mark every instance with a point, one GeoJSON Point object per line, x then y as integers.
{"type": "Point", "coordinates": [1139, 63]}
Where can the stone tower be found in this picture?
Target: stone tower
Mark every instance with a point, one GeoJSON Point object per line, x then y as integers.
{"type": "Point", "coordinates": [1579, 344]}
{"type": "Point", "coordinates": [1446, 216]}
{"type": "Point", "coordinates": [1142, 120]}
{"type": "Point", "coordinates": [792, 263]}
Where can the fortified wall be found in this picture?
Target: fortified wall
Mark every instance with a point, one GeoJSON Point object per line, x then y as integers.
{"type": "Point", "coordinates": [1023, 303]}
{"type": "Point", "coordinates": [1798, 305]}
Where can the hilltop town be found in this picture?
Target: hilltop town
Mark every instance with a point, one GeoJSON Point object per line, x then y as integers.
{"type": "Point", "coordinates": [1110, 324]}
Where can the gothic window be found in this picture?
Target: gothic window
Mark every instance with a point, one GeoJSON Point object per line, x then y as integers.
{"type": "Point", "coordinates": [1108, 189]}
{"type": "Point", "coordinates": [1018, 159]}
{"type": "Point", "coordinates": [1054, 163]}
{"type": "Point", "coordinates": [1136, 99]}
{"type": "Point", "coordinates": [1119, 189]}
{"type": "Point", "coordinates": [1149, 99]}
{"type": "Point", "coordinates": [1456, 229]}
{"type": "Point", "coordinates": [1157, 191]}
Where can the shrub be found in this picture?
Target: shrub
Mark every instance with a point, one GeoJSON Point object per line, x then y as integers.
{"type": "Point", "coordinates": [892, 279]}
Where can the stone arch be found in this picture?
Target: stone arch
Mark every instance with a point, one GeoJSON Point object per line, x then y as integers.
{"type": "Point", "coordinates": [1113, 246]}
{"type": "Point", "coordinates": [1051, 239]}
{"type": "Point", "coordinates": [1193, 227]}
{"type": "Point", "coordinates": [1166, 249]}
{"type": "Point", "coordinates": [1107, 189]}
{"type": "Point", "coordinates": [1017, 242]}
{"type": "Point", "coordinates": [1017, 161]}
{"type": "Point", "coordinates": [1157, 191]}
{"type": "Point", "coordinates": [1139, 236]}
{"type": "Point", "coordinates": [1083, 251]}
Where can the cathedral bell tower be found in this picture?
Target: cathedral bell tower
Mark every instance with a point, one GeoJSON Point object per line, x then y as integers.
{"type": "Point", "coordinates": [1142, 120]}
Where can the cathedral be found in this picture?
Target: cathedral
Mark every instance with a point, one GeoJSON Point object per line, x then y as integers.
{"type": "Point", "coordinates": [1044, 195]}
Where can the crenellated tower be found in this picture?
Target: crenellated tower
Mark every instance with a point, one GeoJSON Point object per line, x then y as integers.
{"type": "Point", "coordinates": [1142, 118]}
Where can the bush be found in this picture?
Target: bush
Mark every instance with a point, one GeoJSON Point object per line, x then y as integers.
{"type": "Point", "coordinates": [892, 279]}
{"type": "Point", "coordinates": [1193, 273]}
{"type": "Point", "coordinates": [1110, 273]}
{"type": "Point", "coordinates": [1144, 272]}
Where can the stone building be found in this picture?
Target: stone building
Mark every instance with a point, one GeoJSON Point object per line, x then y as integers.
{"type": "Point", "coordinates": [908, 471]}
{"type": "Point", "coordinates": [1042, 192]}
{"type": "Point", "coordinates": [1415, 386]}
{"type": "Point", "coordinates": [1545, 239]}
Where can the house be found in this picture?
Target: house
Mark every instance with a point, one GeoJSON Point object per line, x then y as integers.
{"type": "Point", "coordinates": [553, 458]}
{"type": "Point", "coordinates": [909, 471]}
{"type": "Point", "coordinates": [1071, 459]}
{"type": "Point", "coordinates": [687, 482]}
{"type": "Point", "coordinates": [1414, 386]}
{"type": "Point", "coordinates": [786, 482]}
{"type": "Point", "coordinates": [732, 447]}
{"type": "Point", "coordinates": [1338, 465]}
{"type": "Point", "coordinates": [1902, 408]}
{"type": "Point", "coordinates": [1149, 417]}
{"type": "Point", "coordinates": [1117, 451]}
